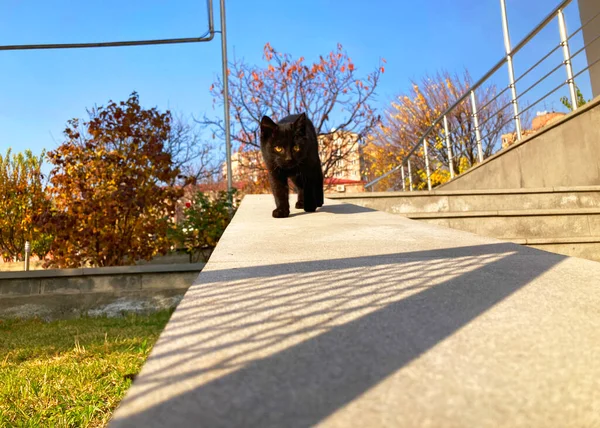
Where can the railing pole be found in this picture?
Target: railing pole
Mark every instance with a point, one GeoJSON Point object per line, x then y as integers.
{"type": "Point", "coordinates": [564, 41]}
{"type": "Point", "coordinates": [447, 138]}
{"type": "Point", "coordinates": [403, 180]}
{"type": "Point", "coordinates": [27, 253]}
{"type": "Point", "coordinates": [511, 70]}
{"type": "Point", "coordinates": [427, 164]}
{"type": "Point", "coordinates": [226, 98]}
{"type": "Point", "coordinates": [476, 123]}
{"type": "Point", "coordinates": [410, 177]}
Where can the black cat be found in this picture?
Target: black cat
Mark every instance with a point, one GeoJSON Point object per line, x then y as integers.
{"type": "Point", "coordinates": [290, 150]}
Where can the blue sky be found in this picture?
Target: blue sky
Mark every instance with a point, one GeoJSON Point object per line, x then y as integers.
{"type": "Point", "coordinates": [41, 90]}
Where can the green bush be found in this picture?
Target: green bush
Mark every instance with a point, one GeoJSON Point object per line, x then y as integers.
{"type": "Point", "coordinates": [205, 220]}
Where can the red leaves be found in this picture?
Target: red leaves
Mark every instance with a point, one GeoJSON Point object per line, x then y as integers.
{"type": "Point", "coordinates": [268, 52]}
{"type": "Point", "coordinates": [284, 84]}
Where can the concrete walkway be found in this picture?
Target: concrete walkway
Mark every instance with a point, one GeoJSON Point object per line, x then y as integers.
{"type": "Point", "coordinates": [349, 317]}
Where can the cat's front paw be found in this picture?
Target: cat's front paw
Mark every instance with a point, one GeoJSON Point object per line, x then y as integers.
{"type": "Point", "coordinates": [281, 213]}
{"type": "Point", "coordinates": [300, 205]}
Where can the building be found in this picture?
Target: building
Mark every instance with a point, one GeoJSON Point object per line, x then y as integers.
{"type": "Point", "coordinates": [342, 160]}
{"type": "Point", "coordinates": [245, 166]}
{"type": "Point", "coordinates": [589, 12]}
{"type": "Point", "coordinates": [541, 120]}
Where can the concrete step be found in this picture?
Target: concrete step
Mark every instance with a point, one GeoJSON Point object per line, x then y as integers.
{"type": "Point", "coordinates": [523, 224]}
{"type": "Point", "coordinates": [350, 317]}
{"type": "Point", "coordinates": [477, 200]}
{"type": "Point", "coordinates": [565, 220]}
{"type": "Point", "coordinates": [572, 232]}
{"type": "Point", "coordinates": [584, 247]}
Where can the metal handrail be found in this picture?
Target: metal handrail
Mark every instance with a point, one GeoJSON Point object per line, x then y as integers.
{"type": "Point", "coordinates": [554, 13]}
{"type": "Point", "coordinates": [206, 37]}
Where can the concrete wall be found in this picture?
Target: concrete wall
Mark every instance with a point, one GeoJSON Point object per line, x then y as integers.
{"type": "Point", "coordinates": [566, 153]}
{"type": "Point", "coordinates": [109, 291]}
{"type": "Point", "coordinates": [587, 10]}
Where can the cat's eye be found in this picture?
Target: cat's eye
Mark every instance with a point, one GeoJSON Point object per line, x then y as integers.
{"type": "Point", "coordinates": [278, 149]}
{"type": "Point", "coordinates": [296, 148]}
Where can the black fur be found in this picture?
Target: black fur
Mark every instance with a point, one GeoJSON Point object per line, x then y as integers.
{"type": "Point", "coordinates": [290, 150]}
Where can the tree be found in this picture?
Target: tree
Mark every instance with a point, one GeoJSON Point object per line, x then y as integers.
{"type": "Point", "coordinates": [581, 101]}
{"type": "Point", "coordinates": [190, 153]}
{"type": "Point", "coordinates": [112, 187]}
{"type": "Point", "coordinates": [329, 90]}
{"type": "Point", "coordinates": [23, 202]}
{"type": "Point", "coordinates": [409, 117]}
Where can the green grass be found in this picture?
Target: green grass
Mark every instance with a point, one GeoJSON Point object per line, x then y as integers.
{"type": "Point", "coordinates": [71, 373]}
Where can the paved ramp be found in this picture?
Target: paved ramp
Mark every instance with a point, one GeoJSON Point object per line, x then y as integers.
{"type": "Point", "coordinates": [350, 317]}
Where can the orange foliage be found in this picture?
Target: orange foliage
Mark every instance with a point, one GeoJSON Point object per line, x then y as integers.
{"type": "Point", "coordinates": [328, 90]}
{"type": "Point", "coordinates": [112, 187]}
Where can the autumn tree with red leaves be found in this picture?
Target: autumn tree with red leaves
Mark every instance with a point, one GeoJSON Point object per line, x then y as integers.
{"type": "Point", "coordinates": [330, 91]}
{"type": "Point", "coordinates": [111, 187]}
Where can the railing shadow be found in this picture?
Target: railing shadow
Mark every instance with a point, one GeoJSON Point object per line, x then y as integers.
{"type": "Point", "coordinates": [290, 344]}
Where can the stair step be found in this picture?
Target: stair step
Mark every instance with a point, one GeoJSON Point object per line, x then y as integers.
{"type": "Point", "coordinates": [553, 241]}
{"type": "Point", "coordinates": [504, 213]}
{"type": "Point", "coordinates": [422, 193]}
{"type": "Point", "coordinates": [407, 203]}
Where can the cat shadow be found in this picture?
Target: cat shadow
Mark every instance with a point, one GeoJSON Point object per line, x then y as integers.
{"type": "Point", "coordinates": [344, 209]}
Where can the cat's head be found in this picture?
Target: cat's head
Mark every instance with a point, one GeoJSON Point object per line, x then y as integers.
{"type": "Point", "coordinates": [285, 143]}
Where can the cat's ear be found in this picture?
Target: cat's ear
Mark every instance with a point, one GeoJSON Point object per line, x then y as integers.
{"type": "Point", "coordinates": [267, 126]}
{"type": "Point", "coordinates": [300, 125]}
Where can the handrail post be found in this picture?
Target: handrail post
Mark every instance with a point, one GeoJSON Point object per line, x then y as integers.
{"type": "Point", "coordinates": [410, 176]}
{"type": "Point", "coordinates": [427, 163]}
{"type": "Point", "coordinates": [476, 123]}
{"type": "Point", "coordinates": [511, 70]}
{"type": "Point", "coordinates": [447, 138]}
{"type": "Point", "coordinates": [403, 180]}
{"type": "Point", "coordinates": [224, 65]}
{"type": "Point", "coordinates": [27, 255]}
{"type": "Point", "coordinates": [564, 41]}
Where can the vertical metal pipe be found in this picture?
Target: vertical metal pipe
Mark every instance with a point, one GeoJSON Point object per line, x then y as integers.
{"type": "Point", "coordinates": [27, 251]}
{"type": "Point", "coordinates": [410, 177]}
{"type": "Point", "coordinates": [403, 179]}
{"type": "Point", "coordinates": [211, 20]}
{"type": "Point", "coordinates": [447, 138]}
{"type": "Point", "coordinates": [427, 164]}
{"type": "Point", "coordinates": [511, 70]}
{"type": "Point", "coordinates": [226, 96]}
{"type": "Point", "coordinates": [564, 41]}
{"type": "Point", "coordinates": [476, 122]}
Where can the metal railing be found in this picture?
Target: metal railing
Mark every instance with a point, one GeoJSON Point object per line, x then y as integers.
{"type": "Point", "coordinates": [420, 154]}
{"type": "Point", "coordinates": [206, 37]}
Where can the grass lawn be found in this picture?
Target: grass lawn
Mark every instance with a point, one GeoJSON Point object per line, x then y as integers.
{"type": "Point", "coordinates": [71, 373]}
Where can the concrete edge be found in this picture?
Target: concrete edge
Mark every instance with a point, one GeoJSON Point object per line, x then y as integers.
{"type": "Point", "coordinates": [573, 240]}
{"type": "Point", "coordinates": [121, 293]}
{"type": "Point", "coordinates": [505, 213]}
{"type": "Point", "coordinates": [112, 270]}
{"type": "Point", "coordinates": [425, 193]}
{"type": "Point", "coordinates": [588, 106]}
